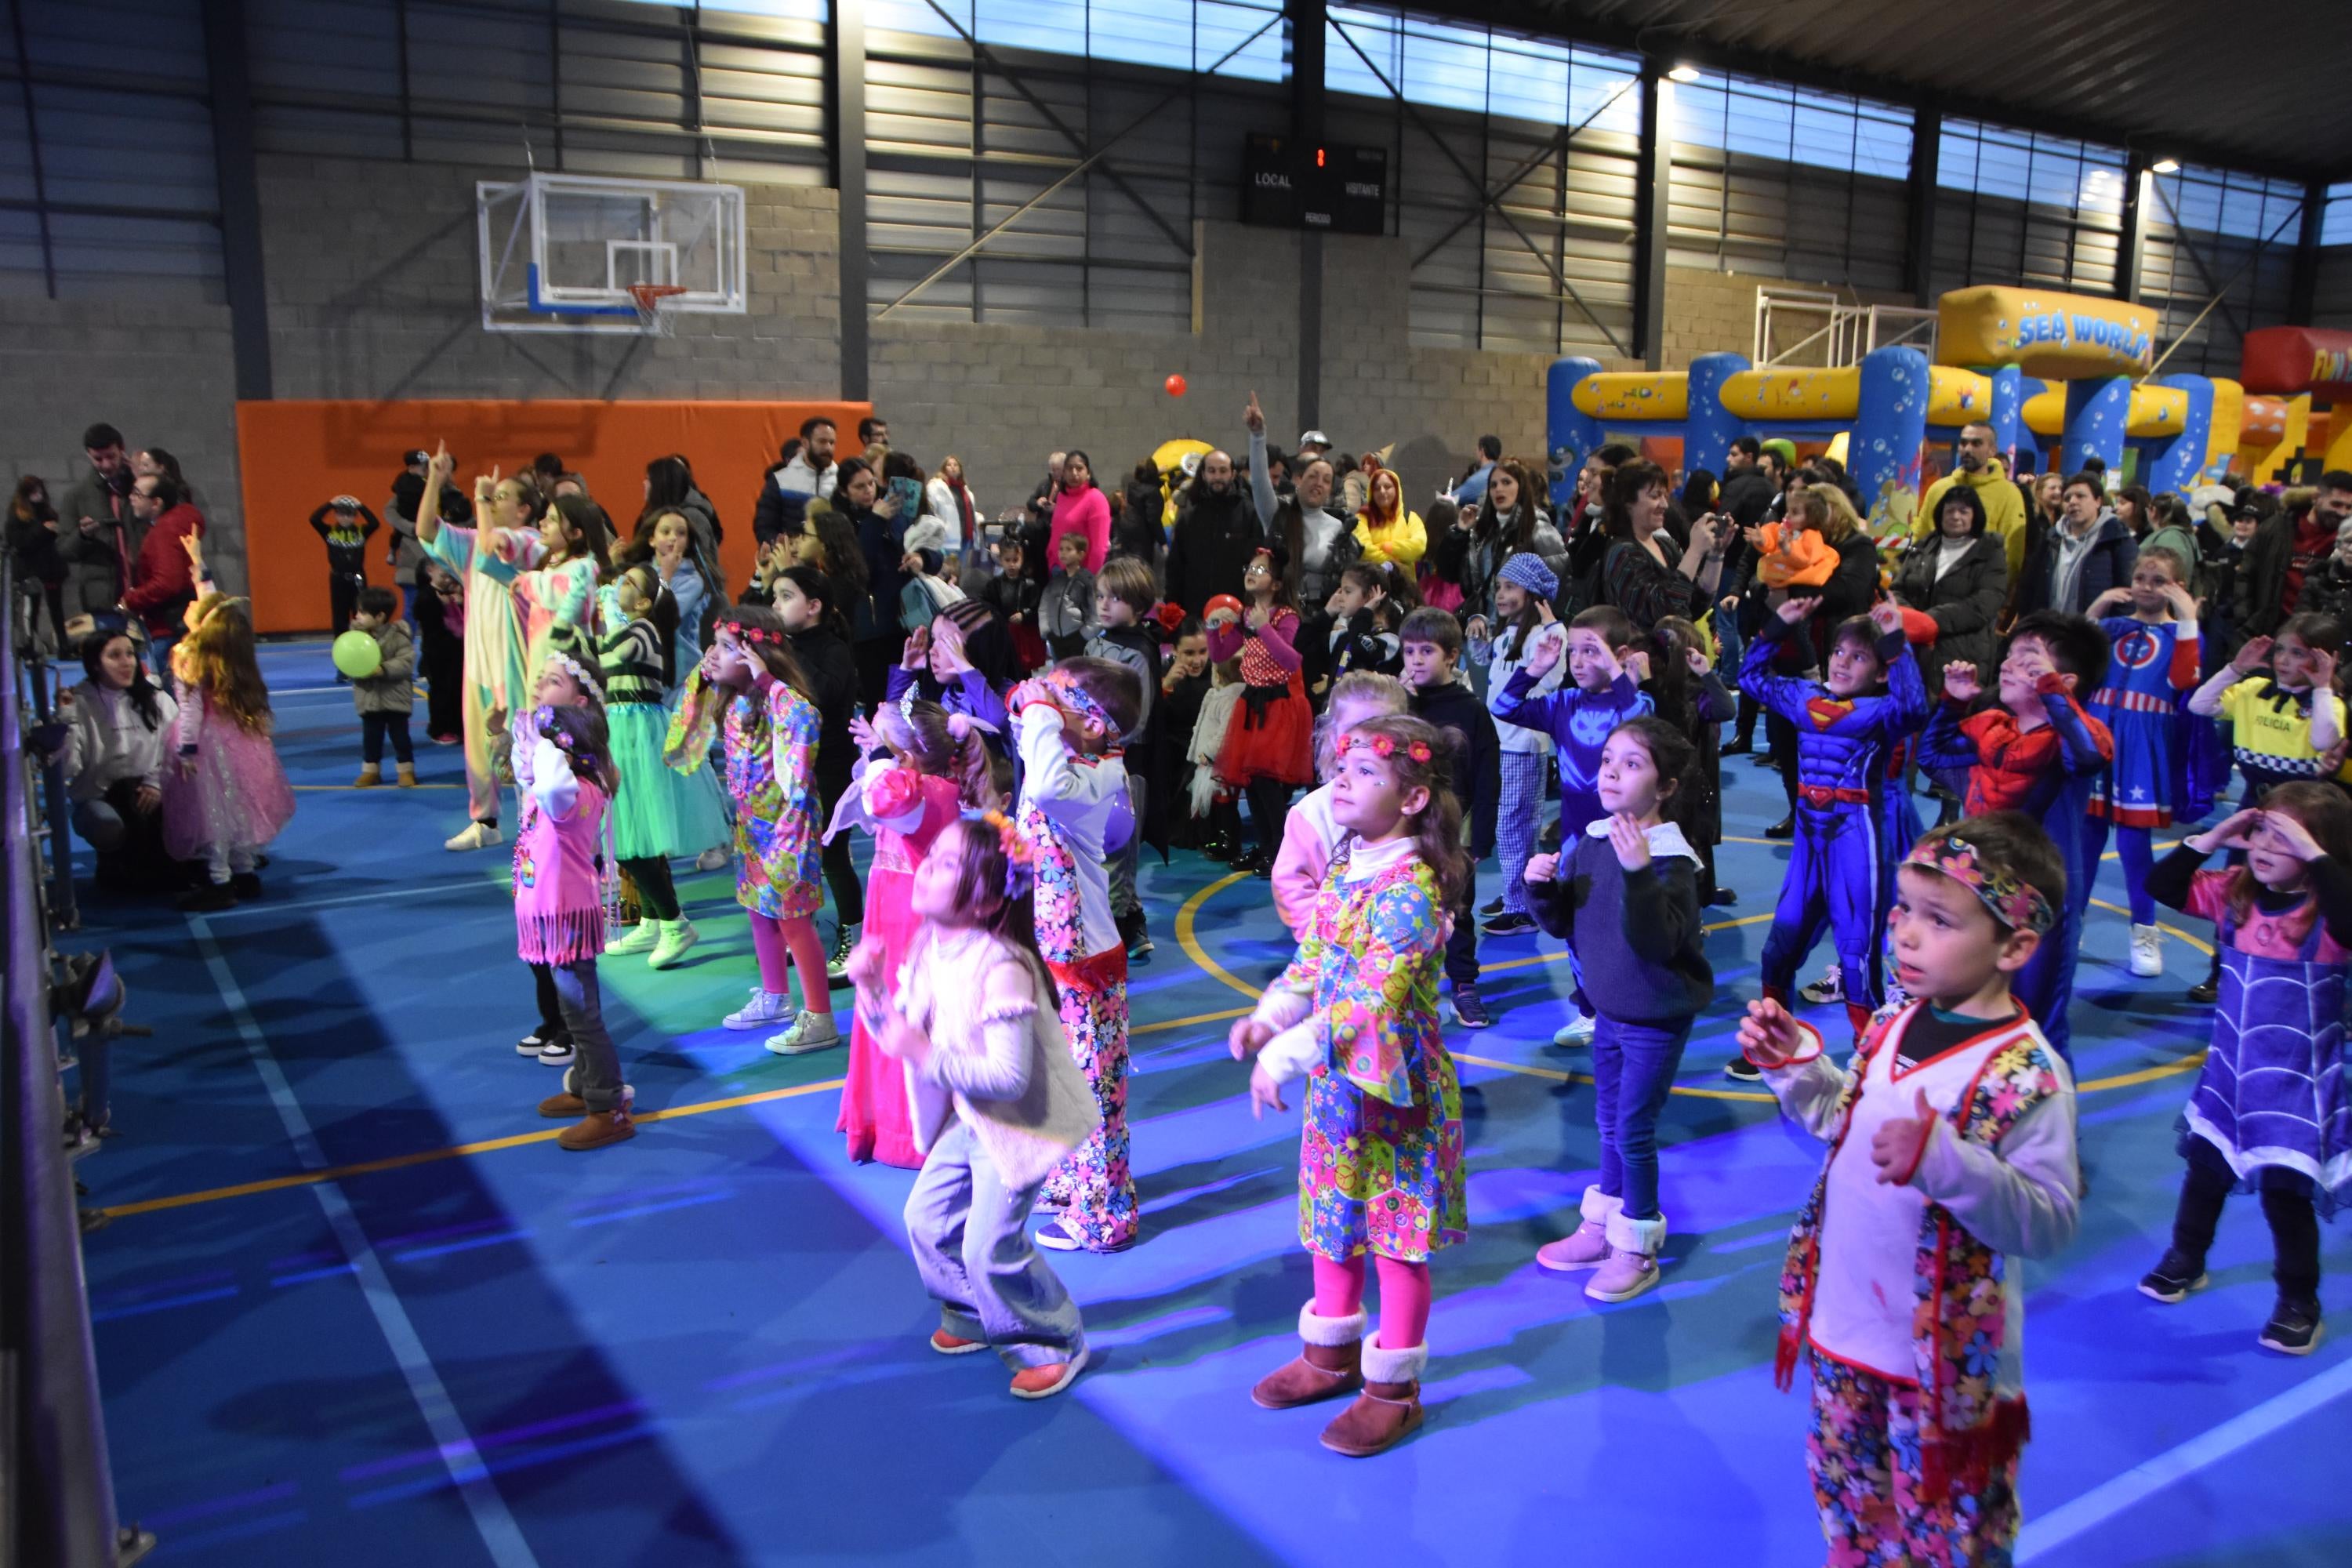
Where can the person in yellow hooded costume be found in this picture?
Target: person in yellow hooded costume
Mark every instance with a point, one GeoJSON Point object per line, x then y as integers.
{"type": "Point", "coordinates": [1385, 528]}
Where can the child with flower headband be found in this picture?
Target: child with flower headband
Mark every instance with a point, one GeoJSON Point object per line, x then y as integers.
{"type": "Point", "coordinates": [224, 792]}
{"type": "Point", "coordinates": [994, 1098]}
{"type": "Point", "coordinates": [1074, 813]}
{"type": "Point", "coordinates": [1269, 741]}
{"type": "Point", "coordinates": [560, 909]}
{"type": "Point", "coordinates": [564, 681]}
{"type": "Point", "coordinates": [1381, 1157]}
{"type": "Point", "coordinates": [750, 689]}
{"type": "Point", "coordinates": [1952, 1149]}
{"type": "Point", "coordinates": [938, 766]}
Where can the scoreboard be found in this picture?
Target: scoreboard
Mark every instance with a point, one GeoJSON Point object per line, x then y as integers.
{"type": "Point", "coordinates": [1285, 184]}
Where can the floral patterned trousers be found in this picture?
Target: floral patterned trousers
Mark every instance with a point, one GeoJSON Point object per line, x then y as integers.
{"type": "Point", "coordinates": [1863, 1458]}
{"type": "Point", "coordinates": [1093, 1187]}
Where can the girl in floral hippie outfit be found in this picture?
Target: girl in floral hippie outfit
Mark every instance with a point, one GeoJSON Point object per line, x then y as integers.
{"type": "Point", "coordinates": [1074, 813]}
{"type": "Point", "coordinates": [750, 688]}
{"type": "Point", "coordinates": [1380, 1160]}
{"type": "Point", "coordinates": [1951, 1149]}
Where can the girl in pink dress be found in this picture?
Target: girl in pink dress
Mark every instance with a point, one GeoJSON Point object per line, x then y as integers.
{"type": "Point", "coordinates": [938, 767]}
{"type": "Point", "coordinates": [224, 795]}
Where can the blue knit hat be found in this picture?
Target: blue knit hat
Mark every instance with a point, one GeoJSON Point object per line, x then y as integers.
{"type": "Point", "coordinates": [1530, 573]}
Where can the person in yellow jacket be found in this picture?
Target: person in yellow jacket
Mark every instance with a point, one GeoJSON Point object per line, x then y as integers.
{"type": "Point", "coordinates": [1984, 473]}
{"type": "Point", "coordinates": [1385, 528]}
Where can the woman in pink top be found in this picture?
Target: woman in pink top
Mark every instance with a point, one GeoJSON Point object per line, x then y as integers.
{"type": "Point", "coordinates": [1081, 510]}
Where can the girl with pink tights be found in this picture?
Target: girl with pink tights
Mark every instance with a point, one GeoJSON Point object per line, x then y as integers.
{"type": "Point", "coordinates": [1380, 1158]}
{"type": "Point", "coordinates": [750, 688]}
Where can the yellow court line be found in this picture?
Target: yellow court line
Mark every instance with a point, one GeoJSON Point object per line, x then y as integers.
{"type": "Point", "coordinates": [456, 1152]}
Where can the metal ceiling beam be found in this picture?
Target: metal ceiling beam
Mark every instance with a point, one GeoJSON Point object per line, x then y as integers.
{"type": "Point", "coordinates": [2305, 285]}
{"type": "Point", "coordinates": [2131, 254]}
{"type": "Point", "coordinates": [1651, 189]}
{"type": "Point", "coordinates": [845, 98]}
{"type": "Point", "coordinates": [1306, 19]}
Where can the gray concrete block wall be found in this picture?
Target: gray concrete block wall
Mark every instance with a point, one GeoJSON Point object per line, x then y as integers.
{"type": "Point", "coordinates": [163, 375]}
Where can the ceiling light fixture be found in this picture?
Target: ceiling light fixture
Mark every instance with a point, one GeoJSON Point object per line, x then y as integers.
{"type": "Point", "coordinates": [1683, 74]}
{"type": "Point", "coordinates": [2164, 166]}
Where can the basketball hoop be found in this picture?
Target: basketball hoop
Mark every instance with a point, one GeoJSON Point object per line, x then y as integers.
{"type": "Point", "coordinates": [648, 297]}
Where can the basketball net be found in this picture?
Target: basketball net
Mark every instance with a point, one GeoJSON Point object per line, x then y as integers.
{"type": "Point", "coordinates": [651, 317]}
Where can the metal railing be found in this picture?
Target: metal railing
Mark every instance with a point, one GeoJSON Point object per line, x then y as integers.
{"type": "Point", "coordinates": [58, 1508]}
{"type": "Point", "coordinates": [1807, 327]}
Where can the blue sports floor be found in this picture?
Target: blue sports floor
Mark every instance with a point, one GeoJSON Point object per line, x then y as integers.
{"type": "Point", "coordinates": [354, 1307]}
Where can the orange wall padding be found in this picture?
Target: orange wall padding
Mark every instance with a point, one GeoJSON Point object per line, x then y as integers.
{"type": "Point", "coordinates": [294, 455]}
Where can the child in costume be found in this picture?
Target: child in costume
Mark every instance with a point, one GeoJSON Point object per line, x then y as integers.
{"type": "Point", "coordinates": [749, 683]}
{"type": "Point", "coordinates": [507, 512]}
{"type": "Point", "coordinates": [1270, 746]}
{"type": "Point", "coordinates": [2037, 752]}
{"type": "Point", "coordinates": [559, 912]}
{"type": "Point", "coordinates": [224, 792]}
{"type": "Point", "coordinates": [995, 1097]}
{"type": "Point", "coordinates": [1848, 836]}
{"type": "Point", "coordinates": [1952, 1150]}
{"type": "Point", "coordinates": [1074, 814]}
{"type": "Point", "coordinates": [2270, 1113]}
{"type": "Point", "coordinates": [2153, 661]}
{"type": "Point", "coordinates": [938, 766]}
{"type": "Point", "coordinates": [1381, 1156]}
{"type": "Point", "coordinates": [1311, 835]}
{"type": "Point", "coordinates": [564, 682]}
{"type": "Point", "coordinates": [1580, 717]}
{"type": "Point", "coordinates": [1624, 896]}
{"type": "Point", "coordinates": [1124, 594]}
{"type": "Point", "coordinates": [344, 525]}
{"type": "Point", "coordinates": [1213, 803]}
{"type": "Point", "coordinates": [1523, 595]}
{"type": "Point", "coordinates": [657, 815]}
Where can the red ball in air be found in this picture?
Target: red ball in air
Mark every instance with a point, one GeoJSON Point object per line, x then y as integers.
{"type": "Point", "coordinates": [1175, 385]}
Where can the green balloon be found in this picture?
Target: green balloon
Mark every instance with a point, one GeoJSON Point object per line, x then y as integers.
{"type": "Point", "coordinates": [358, 655]}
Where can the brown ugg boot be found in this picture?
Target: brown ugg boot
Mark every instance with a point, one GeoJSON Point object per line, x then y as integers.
{"type": "Point", "coordinates": [597, 1128]}
{"type": "Point", "coordinates": [408, 774]}
{"type": "Point", "coordinates": [565, 1107]}
{"type": "Point", "coordinates": [1327, 1368]}
{"type": "Point", "coordinates": [1389, 1409]}
{"type": "Point", "coordinates": [371, 775]}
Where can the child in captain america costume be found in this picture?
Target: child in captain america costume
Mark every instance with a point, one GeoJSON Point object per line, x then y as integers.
{"type": "Point", "coordinates": [2037, 750]}
{"type": "Point", "coordinates": [1842, 862]}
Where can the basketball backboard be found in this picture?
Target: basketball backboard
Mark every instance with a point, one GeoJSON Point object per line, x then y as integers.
{"type": "Point", "coordinates": [560, 253]}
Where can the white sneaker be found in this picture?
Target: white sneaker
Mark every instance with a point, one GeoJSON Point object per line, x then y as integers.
{"type": "Point", "coordinates": [1830, 987]}
{"type": "Point", "coordinates": [810, 1031]}
{"type": "Point", "coordinates": [2146, 952]}
{"type": "Point", "coordinates": [836, 967]}
{"type": "Point", "coordinates": [478, 835]}
{"type": "Point", "coordinates": [711, 859]}
{"type": "Point", "coordinates": [639, 937]}
{"type": "Point", "coordinates": [765, 1007]}
{"type": "Point", "coordinates": [1578, 1031]}
{"type": "Point", "coordinates": [677, 936]}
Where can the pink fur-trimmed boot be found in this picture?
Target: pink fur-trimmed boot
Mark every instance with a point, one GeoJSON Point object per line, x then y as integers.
{"type": "Point", "coordinates": [1327, 1366]}
{"type": "Point", "coordinates": [1632, 1266]}
{"type": "Point", "coordinates": [1588, 1243]}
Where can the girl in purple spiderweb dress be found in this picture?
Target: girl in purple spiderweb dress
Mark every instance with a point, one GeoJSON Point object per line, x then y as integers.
{"type": "Point", "coordinates": [224, 795]}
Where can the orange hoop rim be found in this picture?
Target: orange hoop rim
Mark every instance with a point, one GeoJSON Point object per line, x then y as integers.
{"type": "Point", "coordinates": [649, 296]}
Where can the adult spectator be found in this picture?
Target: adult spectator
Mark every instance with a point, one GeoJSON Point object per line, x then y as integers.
{"type": "Point", "coordinates": [806, 473]}
{"type": "Point", "coordinates": [1315, 444]}
{"type": "Point", "coordinates": [1140, 531]}
{"type": "Point", "coordinates": [1082, 509]}
{"type": "Point", "coordinates": [1390, 532]}
{"type": "Point", "coordinates": [1958, 578]}
{"type": "Point", "coordinates": [547, 469]}
{"type": "Point", "coordinates": [408, 556]}
{"type": "Point", "coordinates": [2169, 529]}
{"type": "Point", "coordinates": [32, 544]}
{"type": "Point", "coordinates": [1321, 543]}
{"type": "Point", "coordinates": [881, 533]}
{"type": "Point", "coordinates": [1509, 521]}
{"type": "Point", "coordinates": [118, 726]}
{"type": "Point", "coordinates": [1048, 491]}
{"type": "Point", "coordinates": [1748, 484]}
{"type": "Point", "coordinates": [874, 431]}
{"type": "Point", "coordinates": [2089, 552]}
{"type": "Point", "coordinates": [1472, 488]}
{"type": "Point", "coordinates": [96, 532]}
{"type": "Point", "coordinates": [2287, 547]}
{"type": "Point", "coordinates": [947, 497]}
{"type": "Point", "coordinates": [1584, 532]}
{"type": "Point", "coordinates": [1216, 532]}
{"type": "Point", "coordinates": [1641, 575]}
{"type": "Point", "coordinates": [1981, 472]}
{"type": "Point", "coordinates": [162, 582]}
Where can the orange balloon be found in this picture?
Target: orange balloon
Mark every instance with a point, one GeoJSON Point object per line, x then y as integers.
{"type": "Point", "coordinates": [1175, 385]}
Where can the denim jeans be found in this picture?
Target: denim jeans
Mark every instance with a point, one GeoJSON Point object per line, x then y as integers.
{"type": "Point", "coordinates": [598, 1079]}
{"type": "Point", "coordinates": [1634, 1065]}
{"type": "Point", "coordinates": [970, 1240]}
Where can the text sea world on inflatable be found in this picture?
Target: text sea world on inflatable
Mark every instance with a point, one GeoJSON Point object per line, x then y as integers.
{"type": "Point", "coordinates": [2060, 337]}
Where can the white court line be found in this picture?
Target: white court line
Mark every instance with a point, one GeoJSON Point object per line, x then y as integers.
{"type": "Point", "coordinates": [2144, 1480]}
{"type": "Point", "coordinates": [418, 890]}
{"type": "Point", "coordinates": [499, 1532]}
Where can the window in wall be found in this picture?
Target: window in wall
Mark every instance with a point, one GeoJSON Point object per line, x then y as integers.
{"type": "Point", "coordinates": [2019, 208]}
{"type": "Point", "coordinates": [2336, 218]}
{"type": "Point", "coordinates": [2218, 232]}
{"type": "Point", "coordinates": [1176, 35]}
{"type": "Point", "coordinates": [1549, 127]}
{"type": "Point", "coordinates": [1787, 181]}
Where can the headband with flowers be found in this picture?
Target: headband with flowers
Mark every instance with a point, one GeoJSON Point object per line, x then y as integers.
{"type": "Point", "coordinates": [1073, 697]}
{"type": "Point", "coordinates": [2016, 904]}
{"type": "Point", "coordinates": [752, 634]}
{"type": "Point", "coordinates": [1020, 863]}
{"type": "Point", "coordinates": [581, 675]}
{"type": "Point", "coordinates": [1385, 747]}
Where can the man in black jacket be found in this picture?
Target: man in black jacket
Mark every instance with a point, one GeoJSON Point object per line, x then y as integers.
{"type": "Point", "coordinates": [1216, 533]}
{"type": "Point", "coordinates": [1748, 485]}
{"type": "Point", "coordinates": [1433, 650]}
{"type": "Point", "coordinates": [2286, 548]}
